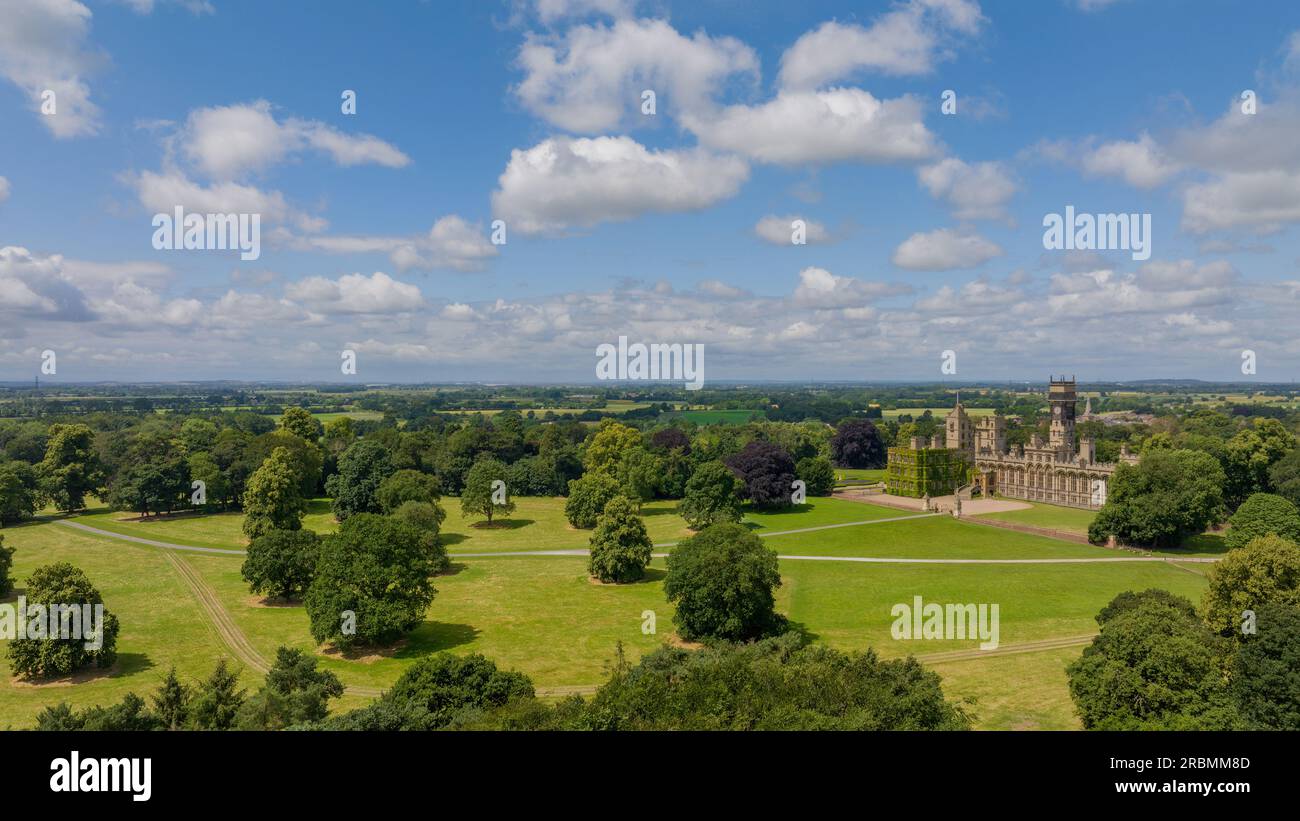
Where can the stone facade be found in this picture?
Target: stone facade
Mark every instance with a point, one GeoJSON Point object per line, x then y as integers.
{"type": "Point", "coordinates": [1056, 470]}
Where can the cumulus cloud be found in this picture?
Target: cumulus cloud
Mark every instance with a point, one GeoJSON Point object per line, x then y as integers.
{"type": "Point", "coordinates": [563, 183]}
{"type": "Point", "coordinates": [974, 191]}
{"type": "Point", "coordinates": [944, 250]}
{"type": "Point", "coordinates": [590, 78]}
{"type": "Point", "coordinates": [778, 230]}
{"type": "Point", "coordinates": [819, 288]}
{"type": "Point", "coordinates": [840, 124]}
{"type": "Point", "coordinates": [356, 294]}
{"type": "Point", "coordinates": [906, 40]}
{"type": "Point", "coordinates": [43, 49]}
{"type": "Point", "coordinates": [226, 142]}
{"type": "Point", "coordinates": [1141, 163]}
{"type": "Point", "coordinates": [162, 192]}
{"type": "Point", "coordinates": [452, 243]}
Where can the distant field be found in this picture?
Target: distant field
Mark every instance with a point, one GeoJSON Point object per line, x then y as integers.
{"type": "Point", "coordinates": [713, 417]}
{"type": "Point", "coordinates": [611, 406]}
{"type": "Point", "coordinates": [894, 413]}
{"type": "Point", "coordinates": [368, 415]}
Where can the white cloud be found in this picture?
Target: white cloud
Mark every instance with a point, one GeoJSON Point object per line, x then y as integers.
{"type": "Point", "coordinates": [819, 288]}
{"type": "Point", "coordinates": [562, 183]}
{"type": "Point", "coordinates": [356, 294]}
{"type": "Point", "coordinates": [944, 250]}
{"type": "Point", "coordinates": [550, 11]}
{"type": "Point", "coordinates": [226, 142]}
{"type": "Point", "coordinates": [590, 79]}
{"type": "Point", "coordinates": [778, 230]}
{"type": "Point", "coordinates": [909, 39]}
{"type": "Point", "coordinates": [721, 290]}
{"type": "Point", "coordinates": [830, 126]}
{"type": "Point", "coordinates": [1185, 274]}
{"type": "Point", "coordinates": [978, 191]}
{"type": "Point", "coordinates": [976, 296]}
{"type": "Point", "coordinates": [450, 243]}
{"type": "Point", "coordinates": [161, 193]}
{"type": "Point", "coordinates": [43, 47]}
{"type": "Point", "coordinates": [1140, 163]}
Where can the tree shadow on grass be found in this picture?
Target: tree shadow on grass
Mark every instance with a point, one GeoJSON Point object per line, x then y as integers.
{"type": "Point", "coordinates": [1212, 543]}
{"type": "Point", "coordinates": [658, 510]}
{"type": "Point", "coordinates": [503, 524]}
{"type": "Point", "coordinates": [317, 507]}
{"type": "Point", "coordinates": [453, 569]}
{"type": "Point", "coordinates": [435, 636]}
{"type": "Point", "coordinates": [452, 538]}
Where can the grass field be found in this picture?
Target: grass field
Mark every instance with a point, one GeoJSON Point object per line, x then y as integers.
{"type": "Point", "coordinates": [542, 615]}
{"type": "Point", "coordinates": [714, 417]}
{"type": "Point", "coordinates": [916, 413]}
{"type": "Point", "coordinates": [160, 624]}
{"type": "Point", "coordinates": [1053, 517]}
{"type": "Point", "coordinates": [859, 475]}
{"type": "Point", "coordinates": [360, 415]}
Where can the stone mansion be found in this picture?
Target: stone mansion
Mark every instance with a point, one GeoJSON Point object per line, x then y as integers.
{"type": "Point", "coordinates": [1057, 470]}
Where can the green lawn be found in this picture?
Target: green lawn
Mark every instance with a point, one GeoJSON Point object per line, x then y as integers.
{"type": "Point", "coordinates": [859, 475]}
{"type": "Point", "coordinates": [160, 623]}
{"type": "Point", "coordinates": [1053, 517]}
{"type": "Point", "coordinates": [220, 530]}
{"type": "Point", "coordinates": [542, 615]}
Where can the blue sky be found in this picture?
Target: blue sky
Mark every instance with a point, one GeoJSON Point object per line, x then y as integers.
{"type": "Point", "coordinates": [925, 229]}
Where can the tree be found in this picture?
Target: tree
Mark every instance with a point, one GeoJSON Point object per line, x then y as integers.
{"type": "Point", "coordinates": [588, 497]}
{"type": "Point", "coordinates": [1265, 570]}
{"type": "Point", "coordinates": [281, 563]}
{"type": "Point", "coordinates": [306, 458]}
{"type": "Point", "coordinates": [217, 700]}
{"type": "Point", "coordinates": [766, 472]}
{"type": "Point", "coordinates": [71, 468]}
{"type": "Point", "coordinates": [1284, 477]}
{"type": "Point", "coordinates": [203, 468]}
{"type": "Point", "coordinates": [1168, 496]}
{"type": "Point", "coordinates": [407, 486]}
{"type": "Point", "coordinates": [721, 581]}
{"type": "Point", "coordinates": [857, 444]}
{"type": "Point", "coordinates": [272, 500]}
{"type": "Point", "coordinates": [155, 479]}
{"type": "Point", "coordinates": [19, 492]}
{"type": "Point", "coordinates": [301, 423]}
{"type": "Point", "coordinates": [436, 690]}
{"type": "Point", "coordinates": [607, 446]}
{"type": "Point", "coordinates": [1263, 514]}
{"type": "Point", "coordinates": [639, 475]}
{"type": "Point", "coordinates": [817, 474]}
{"type": "Point", "coordinates": [620, 548]}
{"type": "Point", "coordinates": [1129, 600]}
{"type": "Point", "coordinates": [1250, 454]}
{"type": "Point", "coordinates": [130, 715]}
{"type": "Point", "coordinates": [6, 562]}
{"type": "Point", "coordinates": [295, 693]}
{"type": "Point", "coordinates": [377, 569]}
{"type": "Point", "coordinates": [712, 496]}
{"type": "Point", "coordinates": [1265, 677]}
{"type": "Point", "coordinates": [362, 469]}
{"type": "Point", "coordinates": [479, 497]}
{"type": "Point", "coordinates": [1152, 667]}
{"type": "Point", "coordinates": [198, 435]}
{"type": "Point", "coordinates": [427, 519]}
{"type": "Point", "coordinates": [66, 597]}
{"type": "Point", "coordinates": [778, 683]}
{"type": "Point", "coordinates": [172, 702]}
